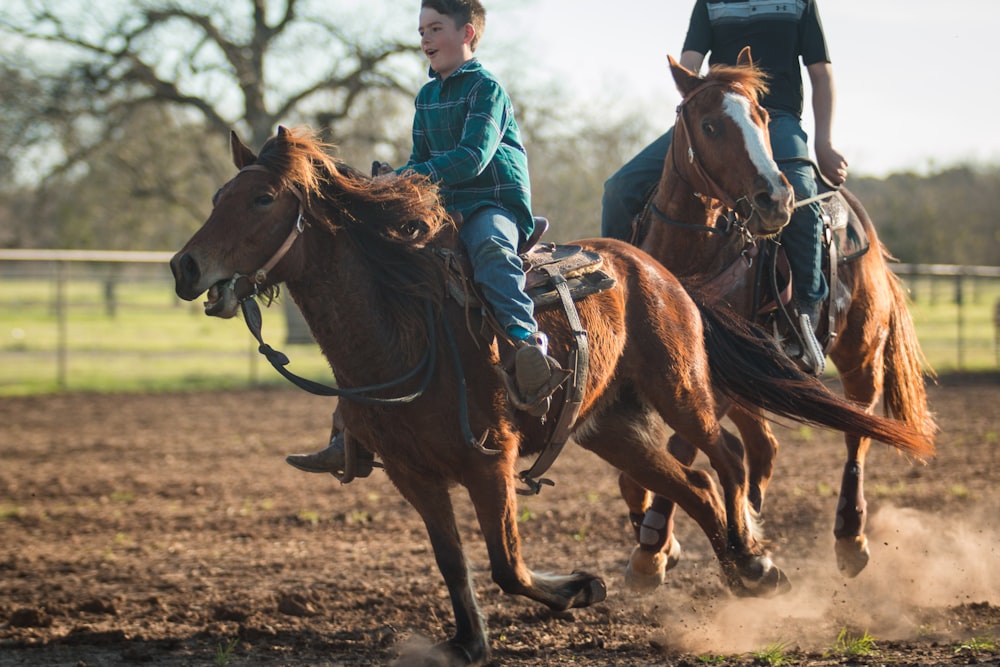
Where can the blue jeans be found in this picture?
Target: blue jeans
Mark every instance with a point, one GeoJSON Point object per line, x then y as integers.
{"type": "Point", "coordinates": [491, 239]}
{"type": "Point", "coordinates": [626, 191]}
{"type": "Point", "coordinates": [803, 237]}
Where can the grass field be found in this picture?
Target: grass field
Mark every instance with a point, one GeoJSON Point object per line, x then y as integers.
{"type": "Point", "coordinates": [141, 337]}
{"type": "Point", "coordinates": [149, 340]}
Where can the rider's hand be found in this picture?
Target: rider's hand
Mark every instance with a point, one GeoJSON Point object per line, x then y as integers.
{"type": "Point", "coordinates": [380, 169]}
{"type": "Point", "coordinates": [831, 163]}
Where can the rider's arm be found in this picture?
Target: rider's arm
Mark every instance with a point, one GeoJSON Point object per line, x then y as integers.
{"type": "Point", "coordinates": [692, 60]}
{"type": "Point", "coordinates": [488, 117]}
{"type": "Point", "coordinates": [831, 162]}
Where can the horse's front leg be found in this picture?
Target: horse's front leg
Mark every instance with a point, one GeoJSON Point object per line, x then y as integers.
{"type": "Point", "coordinates": [430, 497]}
{"type": "Point", "coordinates": [491, 488]}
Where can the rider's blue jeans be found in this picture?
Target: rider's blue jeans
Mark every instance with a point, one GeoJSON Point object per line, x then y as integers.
{"type": "Point", "coordinates": [626, 191]}
{"type": "Point", "coordinates": [491, 238]}
{"type": "Point", "coordinates": [803, 237]}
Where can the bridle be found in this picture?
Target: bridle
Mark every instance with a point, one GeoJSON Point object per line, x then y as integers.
{"type": "Point", "coordinates": [681, 144]}
{"type": "Point", "coordinates": [259, 277]}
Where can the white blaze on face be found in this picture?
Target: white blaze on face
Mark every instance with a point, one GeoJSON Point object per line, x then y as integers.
{"type": "Point", "coordinates": [737, 107]}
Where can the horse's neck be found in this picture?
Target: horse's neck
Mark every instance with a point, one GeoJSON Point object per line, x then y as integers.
{"type": "Point", "coordinates": [345, 311]}
{"type": "Point", "coordinates": [683, 251]}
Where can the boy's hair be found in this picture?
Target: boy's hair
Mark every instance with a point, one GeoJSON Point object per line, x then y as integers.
{"type": "Point", "coordinates": [461, 12]}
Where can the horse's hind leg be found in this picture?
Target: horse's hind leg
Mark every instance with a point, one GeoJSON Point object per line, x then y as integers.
{"type": "Point", "coordinates": [647, 463]}
{"type": "Point", "coordinates": [693, 415]}
{"type": "Point", "coordinates": [469, 645]}
{"type": "Point", "coordinates": [863, 384]}
{"type": "Point", "coordinates": [761, 450]}
{"type": "Point", "coordinates": [653, 516]}
{"type": "Point", "coordinates": [491, 488]}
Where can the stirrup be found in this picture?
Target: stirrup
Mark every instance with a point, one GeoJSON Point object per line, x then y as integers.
{"type": "Point", "coordinates": [537, 405]}
{"type": "Point", "coordinates": [813, 355]}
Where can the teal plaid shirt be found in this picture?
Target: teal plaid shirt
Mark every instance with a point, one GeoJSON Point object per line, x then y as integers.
{"type": "Point", "coordinates": [466, 140]}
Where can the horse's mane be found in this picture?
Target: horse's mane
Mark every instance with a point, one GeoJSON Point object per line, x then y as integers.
{"type": "Point", "coordinates": [386, 207]}
{"type": "Point", "coordinates": [751, 78]}
{"type": "Point", "coordinates": [395, 222]}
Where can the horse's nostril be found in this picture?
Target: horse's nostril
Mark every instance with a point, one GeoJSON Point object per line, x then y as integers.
{"type": "Point", "coordinates": [186, 270]}
{"type": "Point", "coordinates": [763, 201]}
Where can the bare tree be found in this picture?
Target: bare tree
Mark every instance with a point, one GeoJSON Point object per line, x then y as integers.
{"type": "Point", "coordinates": [246, 64]}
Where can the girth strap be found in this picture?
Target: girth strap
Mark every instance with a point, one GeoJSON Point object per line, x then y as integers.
{"type": "Point", "coordinates": [579, 361]}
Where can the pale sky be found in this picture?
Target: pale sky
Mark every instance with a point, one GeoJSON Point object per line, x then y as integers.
{"type": "Point", "coordinates": [915, 86]}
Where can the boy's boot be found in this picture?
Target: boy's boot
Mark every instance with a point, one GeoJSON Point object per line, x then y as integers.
{"type": "Point", "coordinates": [533, 374]}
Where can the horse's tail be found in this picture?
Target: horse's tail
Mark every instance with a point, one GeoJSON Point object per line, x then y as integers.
{"type": "Point", "coordinates": [904, 393]}
{"type": "Point", "coordinates": [747, 367]}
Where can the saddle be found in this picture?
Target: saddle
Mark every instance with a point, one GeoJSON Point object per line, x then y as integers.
{"type": "Point", "coordinates": [844, 241]}
{"type": "Point", "coordinates": [581, 269]}
{"type": "Point", "coordinates": [554, 274]}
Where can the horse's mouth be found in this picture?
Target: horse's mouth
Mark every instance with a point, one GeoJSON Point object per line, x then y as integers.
{"type": "Point", "coordinates": [766, 233]}
{"type": "Point", "coordinates": [222, 301]}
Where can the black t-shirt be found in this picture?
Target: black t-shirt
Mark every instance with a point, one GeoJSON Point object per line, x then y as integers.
{"type": "Point", "coordinates": [778, 32]}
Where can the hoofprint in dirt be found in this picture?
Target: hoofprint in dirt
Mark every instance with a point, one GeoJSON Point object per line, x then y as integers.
{"type": "Point", "coordinates": [167, 529]}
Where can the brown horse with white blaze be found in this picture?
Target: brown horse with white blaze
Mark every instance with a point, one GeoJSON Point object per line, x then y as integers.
{"type": "Point", "coordinates": [720, 193]}
{"type": "Point", "coordinates": [361, 258]}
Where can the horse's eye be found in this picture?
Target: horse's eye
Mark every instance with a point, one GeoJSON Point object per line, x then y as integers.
{"type": "Point", "coordinates": [264, 200]}
{"type": "Point", "coordinates": [708, 127]}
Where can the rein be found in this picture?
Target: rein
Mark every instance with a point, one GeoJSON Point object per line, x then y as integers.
{"type": "Point", "coordinates": [731, 222]}
{"type": "Point", "coordinates": [278, 359]}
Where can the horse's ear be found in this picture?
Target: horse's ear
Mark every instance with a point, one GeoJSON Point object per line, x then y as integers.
{"type": "Point", "coordinates": [685, 79]}
{"type": "Point", "coordinates": [282, 131]}
{"type": "Point", "coordinates": [242, 156]}
{"type": "Point", "coordinates": [744, 59]}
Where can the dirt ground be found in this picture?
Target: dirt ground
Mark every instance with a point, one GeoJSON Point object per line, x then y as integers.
{"type": "Point", "coordinates": [167, 529]}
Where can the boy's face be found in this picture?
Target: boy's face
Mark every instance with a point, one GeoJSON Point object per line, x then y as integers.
{"type": "Point", "coordinates": [446, 45]}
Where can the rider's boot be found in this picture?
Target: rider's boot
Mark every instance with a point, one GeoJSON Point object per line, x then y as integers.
{"type": "Point", "coordinates": [533, 373]}
{"type": "Point", "coordinates": [333, 459]}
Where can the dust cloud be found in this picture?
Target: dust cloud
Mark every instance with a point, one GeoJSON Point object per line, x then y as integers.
{"type": "Point", "coordinates": [919, 562]}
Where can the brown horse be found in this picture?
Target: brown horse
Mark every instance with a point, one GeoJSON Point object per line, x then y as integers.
{"type": "Point", "coordinates": [719, 193]}
{"type": "Point", "coordinates": [362, 259]}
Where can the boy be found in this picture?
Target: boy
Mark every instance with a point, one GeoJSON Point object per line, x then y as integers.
{"type": "Point", "coordinates": [465, 139]}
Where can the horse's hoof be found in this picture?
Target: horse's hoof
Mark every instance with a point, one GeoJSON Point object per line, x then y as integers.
{"type": "Point", "coordinates": [594, 590]}
{"type": "Point", "coordinates": [852, 555]}
{"type": "Point", "coordinates": [451, 653]}
{"type": "Point", "coordinates": [762, 578]}
{"type": "Point", "coordinates": [646, 571]}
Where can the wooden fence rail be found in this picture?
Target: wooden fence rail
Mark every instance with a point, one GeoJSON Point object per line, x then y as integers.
{"type": "Point", "coordinates": [964, 288]}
